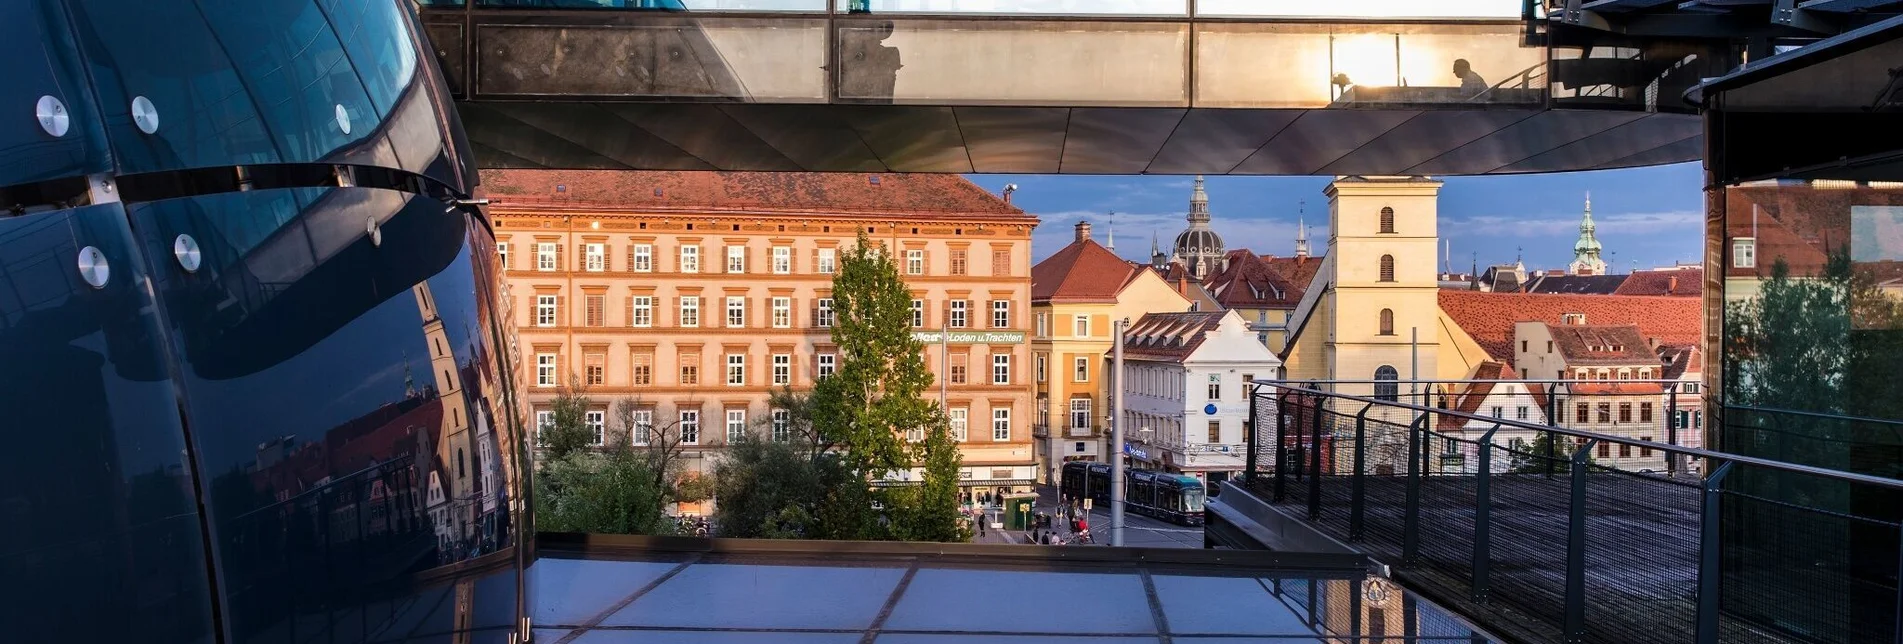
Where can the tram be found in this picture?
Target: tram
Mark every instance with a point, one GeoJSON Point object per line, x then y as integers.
{"type": "Point", "coordinates": [1169, 497]}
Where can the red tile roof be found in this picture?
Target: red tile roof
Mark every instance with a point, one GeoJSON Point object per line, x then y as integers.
{"type": "Point", "coordinates": [1475, 394]}
{"type": "Point", "coordinates": [1679, 359]}
{"type": "Point", "coordinates": [1798, 223]}
{"type": "Point", "coordinates": [1680, 282]}
{"type": "Point", "coordinates": [941, 195]}
{"type": "Point", "coordinates": [1602, 344]}
{"type": "Point", "coordinates": [1248, 282]}
{"type": "Point", "coordinates": [1084, 271]}
{"type": "Point", "coordinates": [1169, 336]}
{"type": "Point", "coordinates": [1489, 317]}
{"type": "Point", "coordinates": [1574, 284]}
{"type": "Point", "coordinates": [1299, 271]}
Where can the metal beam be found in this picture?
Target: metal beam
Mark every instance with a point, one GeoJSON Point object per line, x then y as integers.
{"type": "Point", "coordinates": [1787, 13]}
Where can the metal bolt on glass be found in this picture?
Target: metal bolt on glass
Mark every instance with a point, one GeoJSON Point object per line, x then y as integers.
{"type": "Point", "coordinates": [145, 114]}
{"type": "Point", "coordinates": [52, 116]}
{"type": "Point", "coordinates": [186, 250]}
{"type": "Point", "coordinates": [93, 267]}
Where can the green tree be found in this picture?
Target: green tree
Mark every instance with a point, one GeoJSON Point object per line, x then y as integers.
{"type": "Point", "coordinates": [567, 431]}
{"type": "Point", "coordinates": [874, 395]}
{"type": "Point", "coordinates": [610, 493]}
{"type": "Point", "coordinates": [1533, 461]}
{"type": "Point", "coordinates": [932, 508]}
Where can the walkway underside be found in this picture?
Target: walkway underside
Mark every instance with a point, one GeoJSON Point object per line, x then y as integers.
{"type": "Point", "coordinates": [857, 93]}
{"type": "Point", "coordinates": [1056, 140]}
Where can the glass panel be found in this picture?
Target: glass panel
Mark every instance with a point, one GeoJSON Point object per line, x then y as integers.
{"type": "Point", "coordinates": [1396, 65]}
{"type": "Point", "coordinates": [1044, 7]}
{"type": "Point", "coordinates": [570, 592]}
{"type": "Point", "coordinates": [1653, 76]}
{"type": "Point", "coordinates": [1211, 605]}
{"type": "Point", "coordinates": [1024, 602]}
{"type": "Point", "coordinates": [764, 597]}
{"type": "Point", "coordinates": [779, 60]}
{"type": "Point", "coordinates": [101, 539]}
{"type": "Point", "coordinates": [1361, 8]}
{"type": "Point", "coordinates": [43, 61]}
{"type": "Point", "coordinates": [989, 63]}
{"type": "Point", "coordinates": [814, 6]}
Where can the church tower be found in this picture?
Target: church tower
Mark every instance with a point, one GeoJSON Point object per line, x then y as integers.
{"type": "Point", "coordinates": [1301, 237]}
{"type": "Point", "coordinates": [1380, 286]}
{"type": "Point", "coordinates": [1586, 251]}
{"type": "Point", "coordinates": [1197, 247]}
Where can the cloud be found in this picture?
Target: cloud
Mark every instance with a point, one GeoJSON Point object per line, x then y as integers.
{"type": "Point", "coordinates": [1632, 223]}
{"type": "Point", "coordinates": [1057, 229]}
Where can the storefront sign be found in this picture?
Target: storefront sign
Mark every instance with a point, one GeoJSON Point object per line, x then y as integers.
{"type": "Point", "coordinates": [970, 337]}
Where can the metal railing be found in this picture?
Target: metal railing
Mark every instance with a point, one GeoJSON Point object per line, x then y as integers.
{"type": "Point", "coordinates": [1523, 526]}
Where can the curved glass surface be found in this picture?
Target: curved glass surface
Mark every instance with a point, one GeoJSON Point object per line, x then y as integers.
{"type": "Point", "coordinates": [342, 394]}
{"type": "Point", "coordinates": [1361, 65]}
{"type": "Point", "coordinates": [101, 539]}
{"type": "Point", "coordinates": [36, 41]}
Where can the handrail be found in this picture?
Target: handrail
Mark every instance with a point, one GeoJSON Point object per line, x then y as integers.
{"type": "Point", "coordinates": [1821, 415]}
{"type": "Point", "coordinates": [1865, 479]}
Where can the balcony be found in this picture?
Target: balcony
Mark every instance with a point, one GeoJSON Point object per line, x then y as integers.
{"type": "Point", "coordinates": [1545, 541]}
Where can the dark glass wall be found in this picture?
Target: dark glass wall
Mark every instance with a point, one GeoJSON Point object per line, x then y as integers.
{"type": "Point", "coordinates": [248, 337]}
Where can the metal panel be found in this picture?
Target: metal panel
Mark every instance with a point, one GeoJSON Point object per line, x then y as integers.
{"type": "Point", "coordinates": [1320, 137]}
{"type": "Point", "coordinates": [1213, 141]}
{"type": "Point", "coordinates": [1422, 138]}
{"type": "Point", "coordinates": [1611, 145]}
{"type": "Point", "coordinates": [1516, 142]}
{"type": "Point", "coordinates": [701, 130]}
{"type": "Point", "coordinates": [813, 136]}
{"type": "Point", "coordinates": [913, 139]}
{"type": "Point", "coordinates": [1116, 141]}
{"type": "Point", "coordinates": [582, 124]}
{"type": "Point", "coordinates": [1014, 139]}
{"type": "Point", "coordinates": [490, 125]}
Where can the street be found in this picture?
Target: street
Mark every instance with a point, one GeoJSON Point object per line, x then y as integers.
{"type": "Point", "coordinates": [1138, 531]}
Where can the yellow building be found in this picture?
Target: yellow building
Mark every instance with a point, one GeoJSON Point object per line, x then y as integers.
{"type": "Point", "coordinates": [697, 294]}
{"type": "Point", "coordinates": [1076, 295]}
{"type": "Point", "coordinates": [1376, 291]}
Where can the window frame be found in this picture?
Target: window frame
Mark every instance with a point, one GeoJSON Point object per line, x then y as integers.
{"type": "Point", "coordinates": [782, 312]}
{"type": "Point", "coordinates": [546, 260]}
{"type": "Point", "coordinates": [594, 257]}
{"type": "Point", "coordinates": [782, 260]}
{"type": "Point", "coordinates": [690, 258]}
{"type": "Point", "coordinates": [736, 371]}
{"type": "Point", "coordinates": [736, 312]}
{"type": "Point", "coordinates": [1080, 369]}
{"type": "Point", "coordinates": [959, 313]}
{"type": "Point", "coordinates": [642, 307]}
{"type": "Point", "coordinates": [1000, 424]}
{"type": "Point", "coordinates": [546, 365]}
{"type": "Point", "coordinates": [1001, 314]}
{"type": "Point", "coordinates": [736, 427]}
{"type": "Point", "coordinates": [782, 365]}
{"type": "Point", "coordinates": [547, 310]}
{"type": "Point", "coordinates": [690, 311]}
{"type": "Point", "coordinates": [1000, 369]}
{"type": "Point", "coordinates": [690, 426]}
{"type": "Point", "coordinates": [736, 263]}
{"type": "Point", "coordinates": [643, 261]}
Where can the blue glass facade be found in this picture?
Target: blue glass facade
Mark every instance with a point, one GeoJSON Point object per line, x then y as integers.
{"type": "Point", "coordinates": [258, 387]}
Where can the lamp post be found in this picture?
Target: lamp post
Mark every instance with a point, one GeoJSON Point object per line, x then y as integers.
{"type": "Point", "coordinates": [1116, 439]}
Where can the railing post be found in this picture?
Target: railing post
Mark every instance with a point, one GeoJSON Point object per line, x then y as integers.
{"type": "Point", "coordinates": [1576, 547]}
{"type": "Point", "coordinates": [1671, 434]}
{"type": "Point", "coordinates": [1281, 445]}
{"type": "Point", "coordinates": [1315, 464]}
{"type": "Point", "coordinates": [1249, 437]}
{"type": "Point", "coordinates": [1552, 440]}
{"type": "Point", "coordinates": [1483, 519]}
{"type": "Point", "coordinates": [1411, 522]}
{"type": "Point", "coordinates": [1710, 565]}
{"type": "Point", "coordinates": [1359, 507]}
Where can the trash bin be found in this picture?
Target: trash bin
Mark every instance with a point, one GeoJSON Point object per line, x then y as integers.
{"type": "Point", "coordinates": [1020, 510]}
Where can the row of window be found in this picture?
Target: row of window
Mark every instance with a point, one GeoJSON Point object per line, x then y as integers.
{"type": "Point", "coordinates": [780, 369]}
{"type": "Point", "coordinates": [641, 256]}
{"type": "Point", "coordinates": [779, 425]}
{"type": "Point", "coordinates": [641, 312]}
{"type": "Point", "coordinates": [1080, 326]}
{"type": "Point", "coordinates": [1580, 412]}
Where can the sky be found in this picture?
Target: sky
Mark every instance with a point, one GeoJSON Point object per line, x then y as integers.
{"type": "Point", "coordinates": [1653, 216]}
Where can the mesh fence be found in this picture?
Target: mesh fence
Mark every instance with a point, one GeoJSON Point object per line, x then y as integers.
{"type": "Point", "coordinates": [1493, 511]}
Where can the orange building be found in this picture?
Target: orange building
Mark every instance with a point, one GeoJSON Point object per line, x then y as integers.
{"type": "Point", "coordinates": [697, 294]}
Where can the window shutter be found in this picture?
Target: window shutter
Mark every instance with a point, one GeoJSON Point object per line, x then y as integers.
{"type": "Point", "coordinates": [629, 267]}
{"type": "Point", "coordinates": [629, 315]}
{"type": "Point", "coordinates": [561, 307]}
{"type": "Point", "coordinates": [558, 259]}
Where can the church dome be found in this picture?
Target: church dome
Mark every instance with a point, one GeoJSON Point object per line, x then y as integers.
{"type": "Point", "coordinates": [1198, 242]}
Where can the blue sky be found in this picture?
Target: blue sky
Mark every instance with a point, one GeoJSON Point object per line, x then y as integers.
{"type": "Point", "coordinates": [1652, 215]}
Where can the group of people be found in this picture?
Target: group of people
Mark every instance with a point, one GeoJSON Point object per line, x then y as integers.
{"type": "Point", "coordinates": [1070, 513]}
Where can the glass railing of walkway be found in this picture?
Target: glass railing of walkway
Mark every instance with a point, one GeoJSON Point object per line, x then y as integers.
{"type": "Point", "coordinates": [1572, 533]}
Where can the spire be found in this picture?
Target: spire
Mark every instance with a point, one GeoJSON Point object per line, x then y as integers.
{"type": "Point", "coordinates": [1111, 238]}
{"type": "Point", "coordinates": [1586, 251]}
{"type": "Point", "coordinates": [1198, 204]}
{"type": "Point", "coordinates": [1301, 231]}
{"type": "Point", "coordinates": [1153, 249]}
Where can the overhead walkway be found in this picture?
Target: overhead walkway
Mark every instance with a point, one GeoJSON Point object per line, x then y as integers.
{"type": "Point", "coordinates": [1160, 86]}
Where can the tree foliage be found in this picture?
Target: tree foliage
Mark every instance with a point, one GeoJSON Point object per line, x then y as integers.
{"type": "Point", "coordinates": [608, 492]}
{"type": "Point", "coordinates": [874, 396]}
{"type": "Point", "coordinates": [567, 431]}
{"type": "Point", "coordinates": [1533, 461]}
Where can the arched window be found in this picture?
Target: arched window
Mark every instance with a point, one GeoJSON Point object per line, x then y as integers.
{"type": "Point", "coordinates": [1385, 387]}
{"type": "Point", "coordinates": [1387, 321]}
{"type": "Point", "coordinates": [1387, 220]}
{"type": "Point", "coordinates": [1387, 268]}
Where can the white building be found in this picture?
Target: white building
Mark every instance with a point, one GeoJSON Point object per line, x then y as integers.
{"type": "Point", "coordinates": [1186, 391]}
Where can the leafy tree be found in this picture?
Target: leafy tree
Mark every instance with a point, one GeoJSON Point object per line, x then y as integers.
{"type": "Point", "coordinates": [567, 431]}
{"type": "Point", "coordinates": [663, 444]}
{"type": "Point", "coordinates": [929, 512]}
{"type": "Point", "coordinates": [694, 488]}
{"type": "Point", "coordinates": [1533, 461]}
{"type": "Point", "coordinates": [609, 493]}
{"type": "Point", "coordinates": [875, 394]}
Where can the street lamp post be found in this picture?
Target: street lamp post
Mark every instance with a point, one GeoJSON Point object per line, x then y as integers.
{"type": "Point", "coordinates": [1116, 439]}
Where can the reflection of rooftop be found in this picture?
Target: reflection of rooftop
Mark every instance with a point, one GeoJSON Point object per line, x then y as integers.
{"type": "Point", "coordinates": [598, 588]}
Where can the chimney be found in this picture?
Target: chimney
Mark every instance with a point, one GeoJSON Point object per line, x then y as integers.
{"type": "Point", "coordinates": [1671, 285]}
{"type": "Point", "coordinates": [1083, 231]}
